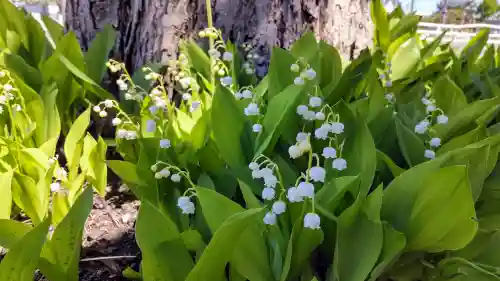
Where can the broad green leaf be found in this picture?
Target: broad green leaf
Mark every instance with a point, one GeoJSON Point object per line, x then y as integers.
{"type": "Point", "coordinates": [449, 97]}
{"type": "Point", "coordinates": [305, 47]}
{"type": "Point", "coordinates": [250, 254]}
{"type": "Point", "coordinates": [75, 135]}
{"type": "Point", "coordinates": [442, 212]}
{"type": "Point", "coordinates": [393, 245]}
{"type": "Point", "coordinates": [54, 29]}
{"type": "Point", "coordinates": [197, 57]}
{"type": "Point", "coordinates": [466, 117]}
{"type": "Point", "coordinates": [50, 127]}
{"type": "Point", "coordinates": [11, 232]}
{"type": "Point", "coordinates": [164, 254]}
{"type": "Point", "coordinates": [331, 64]}
{"type": "Point", "coordinates": [470, 137]}
{"type": "Point", "coordinates": [405, 59]}
{"type": "Point", "coordinates": [464, 270]}
{"type": "Point", "coordinates": [98, 52]}
{"type": "Point", "coordinates": [359, 239]}
{"type": "Point", "coordinates": [407, 24]}
{"type": "Point", "coordinates": [227, 123]}
{"type": "Point", "coordinates": [30, 75]}
{"type": "Point", "coordinates": [381, 23]}
{"type": "Point", "coordinates": [63, 251]}
{"type": "Point", "coordinates": [20, 262]}
{"type": "Point", "coordinates": [212, 264]}
{"type": "Point", "coordinates": [280, 109]}
{"type": "Point", "coordinates": [6, 194]}
{"type": "Point", "coordinates": [279, 71]}
{"type": "Point", "coordinates": [395, 169]}
{"type": "Point", "coordinates": [302, 243]}
{"type": "Point", "coordinates": [412, 146]}
{"type": "Point", "coordinates": [98, 164]}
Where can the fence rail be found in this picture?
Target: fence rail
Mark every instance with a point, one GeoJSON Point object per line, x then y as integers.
{"type": "Point", "coordinates": [458, 34]}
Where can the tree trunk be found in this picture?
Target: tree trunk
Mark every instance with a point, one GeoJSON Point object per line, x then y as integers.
{"type": "Point", "coordinates": [150, 30]}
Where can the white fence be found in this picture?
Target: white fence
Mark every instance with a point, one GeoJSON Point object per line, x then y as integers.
{"type": "Point", "coordinates": [459, 35]}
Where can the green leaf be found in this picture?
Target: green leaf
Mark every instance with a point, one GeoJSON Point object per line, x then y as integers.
{"type": "Point", "coordinates": [198, 58]}
{"type": "Point", "coordinates": [395, 169]}
{"type": "Point", "coordinates": [6, 194]}
{"type": "Point", "coordinates": [412, 147]}
{"type": "Point", "coordinates": [228, 123]}
{"type": "Point", "coordinates": [164, 254]}
{"type": "Point", "coordinates": [20, 262]}
{"type": "Point", "coordinates": [50, 127]}
{"type": "Point", "coordinates": [98, 164]}
{"type": "Point", "coordinates": [330, 65]}
{"type": "Point", "coordinates": [393, 245]}
{"type": "Point", "coordinates": [379, 18]}
{"type": "Point", "coordinates": [98, 52]}
{"type": "Point", "coordinates": [359, 239]}
{"type": "Point", "coordinates": [280, 109]}
{"type": "Point", "coordinates": [11, 232]}
{"type": "Point", "coordinates": [30, 75]}
{"type": "Point", "coordinates": [441, 211]}
{"type": "Point", "coordinates": [74, 137]}
{"type": "Point", "coordinates": [54, 29]}
{"type": "Point", "coordinates": [212, 264]}
{"type": "Point", "coordinates": [459, 122]}
{"type": "Point", "coordinates": [279, 71]}
{"type": "Point", "coordinates": [405, 59]}
{"type": "Point", "coordinates": [302, 243]}
{"type": "Point", "coordinates": [250, 254]}
{"type": "Point", "coordinates": [449, 97]}
{"type": "Point", "coordinates": [305, 47]}
{"type": "Point", "coordinates": [407, 24]}
{"type": "Point", "coordinates": [63, 251]}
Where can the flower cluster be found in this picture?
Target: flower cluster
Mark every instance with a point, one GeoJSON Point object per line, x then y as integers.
{"type": "Point", "coordinates": [267, 170]}
{"type": "Point", "coordinates": [434, 116]}
{"type": "Point", "coordinates": [164, 170]}
{"type": "Point", "coordinates": [307, 111]}
{"type": "Point", "coordinates": [306, 74]}
{"type": "Point", "coordinates": [7, 91]}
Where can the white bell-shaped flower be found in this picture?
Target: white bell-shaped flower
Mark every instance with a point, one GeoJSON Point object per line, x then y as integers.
{"type": "Point", "coordinates": [431, 108]}
{"type": "Point", "coordinates": [270, 218]}
{"type": "Point", "coordinates": [337, 128]}
{"type": "Point", "coordinates": [309, 115]}
{"type": "Point", "coordinates": [226, 81]}
{"type": "Point", "coordinates": [194, 105]}
{"type": "Point", "coordinates": [293, 195]}
{"type": "Point", "coordinates": [256, 128]}
{"type": "Point", "coordinates": [429, 154]}
{"type": "Point", "coordinates": [435, 142]}
{"type": "Point", "coordinates": [176, 178]}
{"type": "Point", "coordinates": [322, 133]}
{"type": "Point", "coordinates": [164, 173]}
{"type": "Point", "coordinates": [257, 174]}
{"type": "Point", "coordinates": [247, 94]}
{"type": "Point", "coordinates": [108, 103]}
{"type": "Point", "coordinates": [304, 146]}
{"type": "Point", "coordinates": [294, 152]}
{"type": "Point", "coordinates": [183, 201]}
{"type": "Point", "coordinates": [150, 126]}
{"type": "Point", "coordinates": [294, 67]}
{"type": "Point", "coordinates": [252, 109]}
{"type": "Point", "coordinates": [426, 101]}
{"type": "Point", "coordinates": [302, 109]}
{"type": "Point", "coordinates": [315, 101]}
{"type": "Point", "coordinates": [55, 187]}
{"type": "Point", "coordinates": [116, 121]}
{"type": "Point", "coordinates": [301, 136]}
{"type": "Point", "coordinates": [279, 207]}
{"type": "Point", "coordinates": [442, 119]}
{"type": "Point", "coordinates": [317, 174]}
{"type": "Point", "coordinates": [306, 189]}
{"type": "Point", "coordinates": [266, 172]}
{"type": "Point", "coordinates": [165, 143]}
{"type": "Point", "coordinates": [189, 209]}
{"type": "Point", "coordinates": [227, 56]}
{"type": "Point", "coordinates": [270, 181]}
{"type": "Point", "coordinates": [309, 74]}
{"type": "Point", "coordinates": [298, 81]}
{"type": "Point", "coordinates": [312, 221]}
{"type": "Point", "coordinates": [421, 127]}
{"type": "Point", "coordinates": [329, 152]}
{"type": "Point", "coordinates": [253, 166]}
{"type": "Point", "coordinates": [320, 116]}
{"type": "Point", "coordinates": [268, 193]}
{"type": "Point", "coordinates": [339, 164]}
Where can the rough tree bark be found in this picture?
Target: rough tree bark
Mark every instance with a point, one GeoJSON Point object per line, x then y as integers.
{"type": "Point", "coordinates": [149, 30]}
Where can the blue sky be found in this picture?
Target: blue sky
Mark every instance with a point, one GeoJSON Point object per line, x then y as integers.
{"type": "Point", "coordinates": [427, 6]}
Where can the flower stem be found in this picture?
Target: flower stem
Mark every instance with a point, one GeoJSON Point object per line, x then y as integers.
{"type": "Point", "coordinates": [208, 5]}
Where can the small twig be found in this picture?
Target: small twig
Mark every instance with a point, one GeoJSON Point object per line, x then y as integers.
{"type": "Point", "coordinates": [108, 258]}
